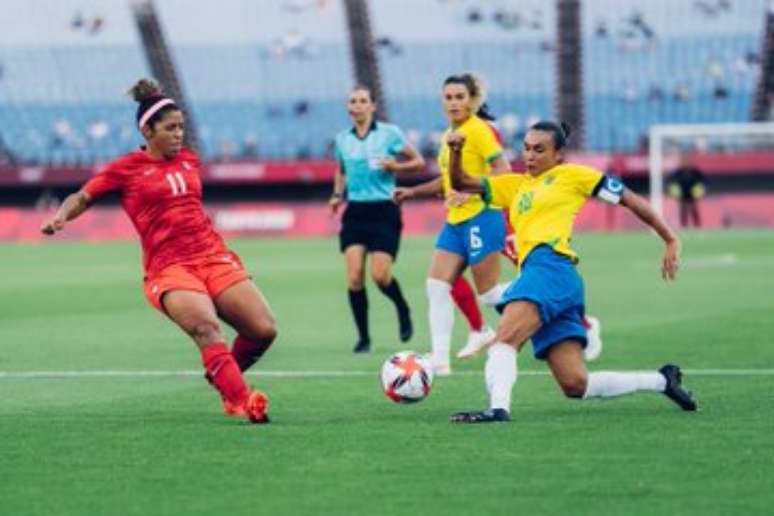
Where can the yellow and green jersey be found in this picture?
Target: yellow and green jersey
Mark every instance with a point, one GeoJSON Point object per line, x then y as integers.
{"type": "Point", "coordinates": [543, 207]}
{"type": "Point", "coordinates": [480, 149]}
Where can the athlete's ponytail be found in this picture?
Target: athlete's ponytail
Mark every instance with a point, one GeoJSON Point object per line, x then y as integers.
{"type": "Point", "coordinates": [484, 113]}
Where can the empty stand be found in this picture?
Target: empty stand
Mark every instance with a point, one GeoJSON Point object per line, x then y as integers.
{"type": "Point", "coordinates": [268, 78]}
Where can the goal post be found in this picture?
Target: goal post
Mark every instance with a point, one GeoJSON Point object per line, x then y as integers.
{"type": "Point", "coordinates": [666, 140]}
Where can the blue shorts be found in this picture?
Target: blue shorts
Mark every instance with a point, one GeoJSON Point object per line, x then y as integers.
{"type": "Point", "coordinates": [475, 238]}
{"type": "Point", "coordinates": [551, 281]}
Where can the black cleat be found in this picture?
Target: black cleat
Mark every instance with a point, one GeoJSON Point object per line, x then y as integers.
{"type": "Point", "coordinates": [406, 327]}
{"type": "Point", "coordinates": [674, 389]}
{"type": "Point", "coordinates": [497, 415]}
{"type": "Point", "coordinates": [265, 420]}
{"type": "Point", "coordinates": [362, 346]}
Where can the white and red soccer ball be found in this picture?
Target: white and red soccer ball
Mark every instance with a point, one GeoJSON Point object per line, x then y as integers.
{"type": "Point", "coordinates": [407, 377]}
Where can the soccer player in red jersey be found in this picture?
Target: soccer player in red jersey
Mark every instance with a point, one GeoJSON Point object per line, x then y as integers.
{"type": "Point", "coordinates": [190, 274]}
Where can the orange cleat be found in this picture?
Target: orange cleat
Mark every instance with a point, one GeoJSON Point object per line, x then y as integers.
{"type": "Point", "coordinates": [256, 407]}
{"type": "Point", "coordinates": [232, 409]}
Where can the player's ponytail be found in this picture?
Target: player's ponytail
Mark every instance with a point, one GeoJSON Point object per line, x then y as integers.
{"type": "Point", "coordinates": [484, 113]}
{"type": "Point", "coordinates": [567, 130]}
{"type": "Point", "coordinates": [559, 132]}
{"type": "Point", "coordinates": [152, 102]}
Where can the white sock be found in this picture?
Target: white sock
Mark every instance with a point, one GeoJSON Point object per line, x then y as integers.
{"type": "Point", "coordinates": [610, 385]}
{"type": "Point", "coordinates": [492, 296]}
{"type": "Point", "coordinates": [500, 373]}
{"type": "Point", "coordinates": [441, 313]}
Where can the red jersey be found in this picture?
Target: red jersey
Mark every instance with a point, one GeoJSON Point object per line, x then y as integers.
{"type": "Point", "coordinates": [163, 198]}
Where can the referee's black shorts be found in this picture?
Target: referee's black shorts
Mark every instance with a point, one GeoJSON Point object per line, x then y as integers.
{"type": "Point", "coordinates": [375, 225]}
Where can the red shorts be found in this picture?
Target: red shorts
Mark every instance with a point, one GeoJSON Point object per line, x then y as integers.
{"type": "Point", "coordinates": [210, 275]}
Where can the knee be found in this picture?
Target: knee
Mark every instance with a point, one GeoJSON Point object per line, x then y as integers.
{"type": "Point", "coordinates": [263, 331]}
{"type": "Point", "coordinates": [514, 334]}
{"type": "Point", "coordinates": [206, 331]}
{"type": "Point", "coordinates": [574, 386]}
{"type": "Point", "coordinates": [519, 322]}
{"type": "Point", "coordinates": [268, 333]}
{"type": "Point", "coordinates": [381, 277]}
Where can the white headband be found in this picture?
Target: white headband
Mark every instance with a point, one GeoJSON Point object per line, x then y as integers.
{"type": "Point", "coordinates": [153, 110]}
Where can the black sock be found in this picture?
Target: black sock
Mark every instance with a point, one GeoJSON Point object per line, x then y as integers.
{"type": "Point", "coordinates": [392, 290]}
{"type": "Point", "coordinates": [358, 302]}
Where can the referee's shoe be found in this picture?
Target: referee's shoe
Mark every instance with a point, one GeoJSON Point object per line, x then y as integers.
{"type": "Point", "coordinates": [362, 346]}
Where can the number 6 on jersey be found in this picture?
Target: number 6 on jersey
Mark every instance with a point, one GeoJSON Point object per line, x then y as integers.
{"type": "Point", "coordinates": [475, 238]}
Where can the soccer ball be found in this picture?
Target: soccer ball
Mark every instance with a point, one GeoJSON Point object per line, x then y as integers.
{"type": "Point", "coordinates": [407, 377]}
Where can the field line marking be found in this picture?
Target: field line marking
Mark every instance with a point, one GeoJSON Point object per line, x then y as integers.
{"type": "Point", "coordinates": [314, 374]}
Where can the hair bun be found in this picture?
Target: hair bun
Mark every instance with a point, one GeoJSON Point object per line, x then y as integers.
{"type": "Point", "coordinates": [566, 128]}
{"type": "Point", "coordinates": [145, 89]}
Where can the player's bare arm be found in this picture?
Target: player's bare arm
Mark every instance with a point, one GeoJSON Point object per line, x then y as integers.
{"type": "Point", "coordinates": [72, 207]}
{"type": "Point", "coordinates": [500, 165]}
{"type": "Point", "coordinates": [337, 196]}
{"type": "Point", "coordinates": [413, 161]}
{"type": "Point", "coordinates": [460, 181]}
{"type": "Point", "coordinates": [428, 189]}
{"type": "Point", "coordinates": [670, 260]}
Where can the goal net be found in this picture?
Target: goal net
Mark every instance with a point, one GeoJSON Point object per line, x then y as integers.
{"type": "Point", "coordinates": [736, 163]}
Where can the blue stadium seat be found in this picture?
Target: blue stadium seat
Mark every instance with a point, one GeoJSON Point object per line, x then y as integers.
{"type": "Point", "coordinates": [271, 79]}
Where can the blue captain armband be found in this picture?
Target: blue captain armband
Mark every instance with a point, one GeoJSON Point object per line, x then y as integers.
{"type": "Point", "coordinates": [609, 189]}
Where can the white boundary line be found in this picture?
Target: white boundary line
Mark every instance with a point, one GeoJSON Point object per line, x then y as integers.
{"type": "Point", "coordinates": [313, 374]}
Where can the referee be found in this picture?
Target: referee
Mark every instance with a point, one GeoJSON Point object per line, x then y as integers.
{"type": "Point", "coordinates": [367, 156]}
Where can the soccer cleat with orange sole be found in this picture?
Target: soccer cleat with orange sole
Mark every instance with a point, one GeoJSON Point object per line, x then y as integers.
{"type": "Point", "coordinates": [232, 409]}
{"type": "Point", "coordinates": [256, 407]}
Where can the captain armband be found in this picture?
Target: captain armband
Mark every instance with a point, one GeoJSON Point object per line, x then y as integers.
{"type": "Point", "coordinates": [610, 189]}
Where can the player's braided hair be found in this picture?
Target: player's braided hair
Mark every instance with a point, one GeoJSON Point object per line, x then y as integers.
{"type": "Point", "coordinates": [559, 132]}
{"type": "Point", "coordinates": [149, 95]}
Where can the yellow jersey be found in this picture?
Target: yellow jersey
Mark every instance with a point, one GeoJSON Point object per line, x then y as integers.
{"type": "Point", "coordinates": [480, 149]}
{"type": "Point", "coordinates": [543, 207]}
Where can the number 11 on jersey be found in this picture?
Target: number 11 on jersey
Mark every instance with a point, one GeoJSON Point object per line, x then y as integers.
{"type": "Point", "coordinates": [177, 183]}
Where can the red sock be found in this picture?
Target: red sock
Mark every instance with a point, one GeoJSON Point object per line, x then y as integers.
{"type": "Point", "coordinates": [223, 373]}
{"type": "Point", "coordinates": [246, 352]}
{"type": "Point", "coordinates": [465, 300]}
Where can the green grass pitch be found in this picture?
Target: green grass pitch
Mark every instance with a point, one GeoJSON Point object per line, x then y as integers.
{"type": "Point", "coordinates": [157, 444]}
